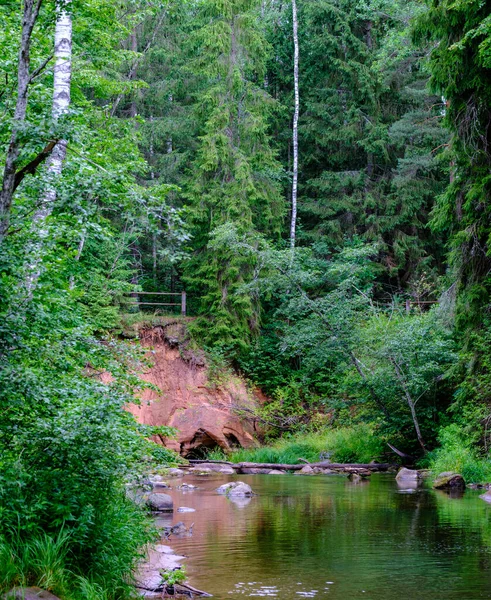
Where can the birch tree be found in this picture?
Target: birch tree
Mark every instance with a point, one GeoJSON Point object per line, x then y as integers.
{"type": "Point", "coordinates": [293, 227]}
{"type": "Point", "coordinates": [61, 102]}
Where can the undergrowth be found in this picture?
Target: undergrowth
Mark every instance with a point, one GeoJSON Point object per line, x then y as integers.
{"type": "Point", "coordinates": [45, 562]}
{"type": "Point", "coordinates": [346, 445]}
{"type": "Point", "coordinates": [457, 454]}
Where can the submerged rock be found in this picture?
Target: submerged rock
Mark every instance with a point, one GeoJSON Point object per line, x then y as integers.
{"type": "Point", "coordinates": [160, 503]}
{"type": "Point", "coordinates": [32, 593]}
{"type": "Point", "coordinates": [235, 488]}
{"type": "Point", "coordinates": [449, 481]}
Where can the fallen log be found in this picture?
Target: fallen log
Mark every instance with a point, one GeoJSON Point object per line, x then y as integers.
{"type": "Point", "coordinates": [376, 467]}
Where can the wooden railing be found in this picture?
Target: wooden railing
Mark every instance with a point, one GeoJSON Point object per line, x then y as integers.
{"type": "Point", "coordinates": [137, 303]}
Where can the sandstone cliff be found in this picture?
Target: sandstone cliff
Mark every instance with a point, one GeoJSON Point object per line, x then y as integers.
{"type": "Point", "coordinates": [206, 415]}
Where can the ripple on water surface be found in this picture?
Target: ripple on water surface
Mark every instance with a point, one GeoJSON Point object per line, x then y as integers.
{"type": "Point", "coordinates": [325, 537]}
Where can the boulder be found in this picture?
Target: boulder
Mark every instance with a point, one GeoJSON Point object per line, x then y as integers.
{"type": "Point", "coordinates": [276, 472]}
{"type": "Point", "coordinates": [307, 470]}
{"type": "Point", "coordinates": [160, 484]}
{"type": "Point", "coordinates": [408, 476]}
{"type": "Point", "coordinates": [235, 488]}
{"type": "Point", "coordinates": [160, 503]}
{"type": "Point", "coordinates": [449, 481]}
{"type": "Point", "coordinates": [32, 593]}
{"type": "Point", "coordinates": [176, 473]}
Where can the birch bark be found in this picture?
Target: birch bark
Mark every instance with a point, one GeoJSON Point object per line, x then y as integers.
{"type": "Point", "coordinates": [61, 102]}
{"type": "Point", "coordinates": [293, 226]}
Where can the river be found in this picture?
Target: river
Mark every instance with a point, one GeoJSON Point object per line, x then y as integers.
{"type": "Point", "coordinates": [325, 537]}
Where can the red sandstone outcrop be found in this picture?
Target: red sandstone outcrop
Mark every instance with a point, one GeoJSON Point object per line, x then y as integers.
{"type": "Point", "coordinates": [206, 415]}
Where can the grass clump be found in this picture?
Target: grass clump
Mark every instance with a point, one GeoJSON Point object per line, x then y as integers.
{"type": "Point", "coordinates": [345, 445]}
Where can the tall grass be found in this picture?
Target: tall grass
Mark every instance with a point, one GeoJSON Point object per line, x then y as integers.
{"type": "Point", "coordinates": [458, 455]}
{"type": "Point", "coordinates": [346, 445]}
{"type": "Point", "coordinates": [43, 561]}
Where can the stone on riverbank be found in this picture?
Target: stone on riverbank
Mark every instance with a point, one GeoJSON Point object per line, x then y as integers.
{"type": "Point", "coordinates": [408, 476]}
{"type": "Point", "coordinates": [160, 503]}
{"type": "Point", "coordinates": [449, 481]}
{"type": "Point", "coordinates": [235, 488]}
{"type": "Point", "coordinates": [276, 472]}
{"type": "Point", "coordinates": [32, 593]}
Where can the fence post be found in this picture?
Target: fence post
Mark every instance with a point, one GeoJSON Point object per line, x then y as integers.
{"type": "Point", "coordinates": [183, 304]}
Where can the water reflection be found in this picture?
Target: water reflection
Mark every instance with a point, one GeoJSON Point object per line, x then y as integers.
{"type": "Point", "coordinates": [326, 537]}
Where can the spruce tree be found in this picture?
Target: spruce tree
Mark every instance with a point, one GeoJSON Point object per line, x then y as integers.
{"type": "Point", "coordinates": [234, 175]}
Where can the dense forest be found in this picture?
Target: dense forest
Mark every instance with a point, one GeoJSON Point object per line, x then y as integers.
{"type": "Point", "coordinates": [314, 173]}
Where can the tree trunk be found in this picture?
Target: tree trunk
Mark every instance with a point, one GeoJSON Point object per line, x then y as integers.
{"type": "Point", "coordinates": [410, 401]}
{"type": "Point", "coordinates": [30, 15]}
{"type": "Point", "coordinates": [293, 227]}
{"type": "Point", "coordinates": [61, 102]}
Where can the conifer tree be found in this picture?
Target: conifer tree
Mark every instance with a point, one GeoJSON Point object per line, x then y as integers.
{"type": "Point", "coordinates": [234, 176]}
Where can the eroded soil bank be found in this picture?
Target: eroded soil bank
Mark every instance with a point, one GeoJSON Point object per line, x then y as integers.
{"type": "Point", "coordinates": [207, 414]}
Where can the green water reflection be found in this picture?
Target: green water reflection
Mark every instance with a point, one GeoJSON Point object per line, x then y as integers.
{"type": "Point", "coordinates": [325, 537]}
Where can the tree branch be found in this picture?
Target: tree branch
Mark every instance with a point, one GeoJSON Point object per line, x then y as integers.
{"type": "Point", "coordinates": [30, 169]}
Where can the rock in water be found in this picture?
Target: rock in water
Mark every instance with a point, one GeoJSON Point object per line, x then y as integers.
{"type": "Point", "coordinates": [276, 472]}
{"type": "Point", "coordinates": [449, 481]}
{"type": "Point", "coordinates": [408, 476]}
{"type": "Point", "coordinates": [32, 593]}
{"type": "Point", "coordinates": [235, 488]}
{"type": "Point", "coordinates": [160, 503]}
{"type": "Point", "coordinates": [176, 472]}
{"type": "Point", "coordinates": [486, 497]}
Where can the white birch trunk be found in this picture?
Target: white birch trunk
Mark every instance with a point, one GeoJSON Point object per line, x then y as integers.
{"type": "Point", "coordinates": [61, 102]}
{"type": "Point", "coordinates": [293, 227]}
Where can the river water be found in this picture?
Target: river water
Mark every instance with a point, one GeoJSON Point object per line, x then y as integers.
{"type": "Point", "coordinates": [325, 537]}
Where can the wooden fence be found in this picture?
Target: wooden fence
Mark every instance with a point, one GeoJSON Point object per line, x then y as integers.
{"type": "Point", "coordinates": [135, 296]}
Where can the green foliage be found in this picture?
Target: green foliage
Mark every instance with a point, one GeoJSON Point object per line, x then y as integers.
{"type": "Point", "coordinates": [457, 454]}
{"type": "Point", "coordinates": [358, 444]}
{"type": "Point", "coordinates": [174, 576]}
